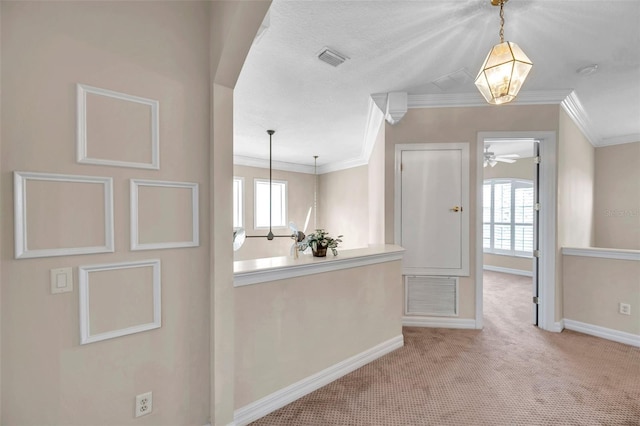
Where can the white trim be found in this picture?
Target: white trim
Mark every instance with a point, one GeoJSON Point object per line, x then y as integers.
{"type": "Point", "coordinates": [508, 270]}
{"type": "Point", "coordinates": [463, 147]}
{"type": "Point", "coordinates": [603, 253]}
{"type": "Point", "coordinates": [280, 268]}
{"type": "Point", "coordinates": [240, 201]}
{"type": "Point", "coordinates": [603, 332]}
{"type": "Point", "coordinates": [375, 118]}
{"type": "Point", "coordinates": [475, 99]}
{"type": "Point", "coordinates": [557, 326]}
{"type": "Point", "coordinates": [547, 226]}
{"type": "Point", "coordinates": [20, 180]}
{"type": "Point", "coordinates": [81, 137]}
{"type": "Point", "coordinates": [433, 322]}
{"type": "Point", "coordinates": [342, 165]}
{"type": "Point", "coordinates": [84, 295]}
{"type": "Point", "coordinates": [240, 160]}
{"type": "Point", "coordinates": [195, 221]}
{"type": "Point", "coordinates": [619, 140]}
{"type": "Point", "coordinates": [574, 109]}
{"type": "Point", "coordinates": [260, 408]}
{"type": "Point", "coordinates": [285, 210]}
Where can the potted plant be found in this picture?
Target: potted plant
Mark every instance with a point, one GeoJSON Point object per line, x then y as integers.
{"type": "Point", "coordinates": [320, 241]}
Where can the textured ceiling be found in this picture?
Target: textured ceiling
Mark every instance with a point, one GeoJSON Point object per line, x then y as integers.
{"type": "Point", "coordinates": [317, 109]}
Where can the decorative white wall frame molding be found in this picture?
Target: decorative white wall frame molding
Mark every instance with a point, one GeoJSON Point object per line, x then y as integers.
{"type": "Point", "coordinates": [85, 295]}
{"type": "Point", "coordinates": [82, 142]}
{"type": "Point", "coordinates": [136, 244]}
{"type": "Point", "coordinates": [20, 180]}
{"type": "Point", "coordinates": [282, 397]}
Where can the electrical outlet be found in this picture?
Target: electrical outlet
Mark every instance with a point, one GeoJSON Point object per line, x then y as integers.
{"type": "Point", "coordinates": [625, 309]}
{"type": "Point", "coordinates": [144, 404]}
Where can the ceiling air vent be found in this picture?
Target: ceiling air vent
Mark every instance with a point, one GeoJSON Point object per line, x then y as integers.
{"type": "Point", "coordinates": [331, 57]}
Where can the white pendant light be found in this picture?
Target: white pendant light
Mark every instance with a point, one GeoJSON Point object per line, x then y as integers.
{"type": "Point", "coordinates": [504, 70]}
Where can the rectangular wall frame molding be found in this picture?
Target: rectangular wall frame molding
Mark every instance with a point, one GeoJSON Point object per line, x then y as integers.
{"type": "Point", "coordinates": [84, 289]}
{"type": "Point", "coordinates": [82, 148]}
{"type": "Point", "coordinates": [20, 180]}
{"type": "Point", "coordinates": [136, 244]}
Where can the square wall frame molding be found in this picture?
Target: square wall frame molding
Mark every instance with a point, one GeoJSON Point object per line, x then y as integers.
{"type": "Point", "coordinates": [22, 250]}
{"type": "Point", "coordinates": [82, 142]}
{"type": "Point", "coordinates": [136, 244]}
{"type": "Point", "coordinates": [84, 288]}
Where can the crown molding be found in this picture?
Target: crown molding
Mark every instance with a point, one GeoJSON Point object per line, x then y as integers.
{"type": "Point", "coordinates": [451, 100]}
{"type": "Point", "coordinates": [566, 98]}
{"type": "Point", "coordinates": [239, 160]}
{"type": "Point", "coordinates": [375, 118]}
{"type": "Point", "coordinates": [342, 165]}
{"type": "Point", "coordinates": [619, 140]}
{"type": "Point", "coordinates": [572, 106]}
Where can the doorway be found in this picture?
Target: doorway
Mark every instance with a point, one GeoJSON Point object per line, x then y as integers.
{"type": "Point", "coordinates": [509, 218]}
{"type": "Point", "coordinates": [546, 234]}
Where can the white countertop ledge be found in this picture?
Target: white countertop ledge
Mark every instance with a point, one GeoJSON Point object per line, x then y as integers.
{"type": "Point", "coordinates": [255, 271]}
{"type": "Point", "coordinates": [606, 253]}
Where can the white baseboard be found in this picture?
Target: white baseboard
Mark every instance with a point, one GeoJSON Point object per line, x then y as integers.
{"type": "Point", "coordinates": [605, 333]}
{"type": "Point", "coordinates": [508, 270]}
{"type": "Point", "coordinates": [287, 395]}
{"type": "Point", "coordinates": [435, 322]}
{"type": "Point", "coordinates": [556, 327]}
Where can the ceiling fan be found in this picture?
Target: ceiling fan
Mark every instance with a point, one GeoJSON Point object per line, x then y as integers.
{"type": "Point", "coordinates": [491, 159]}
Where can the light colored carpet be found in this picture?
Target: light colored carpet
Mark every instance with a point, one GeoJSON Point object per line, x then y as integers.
{"type": "Point", "coordinates": [510, 373]}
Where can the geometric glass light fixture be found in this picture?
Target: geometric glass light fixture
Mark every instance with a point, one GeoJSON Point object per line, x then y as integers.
{"type": "Point", "coordinates": [505, 68]}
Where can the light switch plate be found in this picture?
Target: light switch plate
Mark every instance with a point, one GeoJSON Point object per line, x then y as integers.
{"type": "Point", "coordinates": [61, 280]}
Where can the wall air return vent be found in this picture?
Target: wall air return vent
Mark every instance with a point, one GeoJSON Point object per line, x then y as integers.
{"type": "Point", "coordinates": [331, 57]}
{"type": "Point", "coordinates": [431, 296]}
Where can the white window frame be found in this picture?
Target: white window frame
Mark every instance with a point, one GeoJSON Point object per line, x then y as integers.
{"type": "Point", "coordinates": [285, 204]}
{"type": "Point", "coordinates": [515, 183]}
{"type": "Point", "coordinates": [238, 201]}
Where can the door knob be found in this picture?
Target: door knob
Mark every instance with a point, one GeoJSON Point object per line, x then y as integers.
{"type": "Point", "coordinates": [456, 209]}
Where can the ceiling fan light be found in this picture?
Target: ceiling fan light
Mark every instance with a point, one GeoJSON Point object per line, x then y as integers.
{"type": "Point", "coordinates": [503, 73]}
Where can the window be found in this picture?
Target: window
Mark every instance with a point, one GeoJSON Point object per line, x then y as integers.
{"type": "Point", "coordinates": [238, 202]}
{"type": "Point", "coordinates": [507, 217]}
{"type": "Point", "coordinates": [278, 205]}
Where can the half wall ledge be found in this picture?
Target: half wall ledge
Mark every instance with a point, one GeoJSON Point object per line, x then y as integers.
{"type": "Point", "coordinates": [256, 271]}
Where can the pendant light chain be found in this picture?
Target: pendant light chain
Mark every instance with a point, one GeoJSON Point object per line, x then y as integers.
{"type": "Point", "coordinates": [501, 21]}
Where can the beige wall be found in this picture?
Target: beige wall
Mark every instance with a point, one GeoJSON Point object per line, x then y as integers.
{"type": "Point", "coordinates": [135, 48]}
{"type": "Point", "coordinates": [575, 196]}
{"type": "Point", "coordinates": [300, 187]}
{"type": "Point", "coordinates": [233, 27]}
{"type": "Point", "coordinates": [440, 125]}
{"type": "Point", "coordinates": [376, 189]}
{"type": "Point", "coordinates": [524, 168]}
{"type": "Point", "coordinates": [593, 288]}
{"type": "Point", "coordinates": [343, 205]}
{"type": "Point", "coordinates": [291, 329]}
{"type": "Point", "coordinates": [617, 196]}
{"type": "Point", "coordinates": [575, 186]}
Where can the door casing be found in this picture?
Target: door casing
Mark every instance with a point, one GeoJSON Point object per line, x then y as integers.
{"type": "Point", "coordinates": [547, 226]}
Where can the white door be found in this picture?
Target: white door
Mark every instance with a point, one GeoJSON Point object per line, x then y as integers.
{"type": "Point", "coordinates": [432, 214]}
